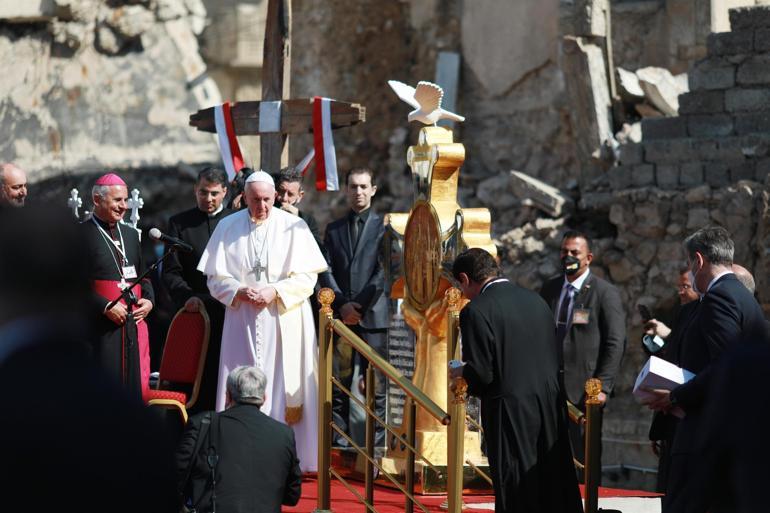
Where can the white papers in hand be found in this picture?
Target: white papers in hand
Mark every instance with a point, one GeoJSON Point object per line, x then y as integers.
{"type": "Point", "coordinates": [658, 373]}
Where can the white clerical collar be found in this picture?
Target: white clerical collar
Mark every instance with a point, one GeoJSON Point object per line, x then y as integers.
{"type": "Point", "coordinates": [490, 283]}
{"type": "Point", "coordinates": [220, 208]}
{"type": "Point", "coordinates": [578, 283]}
{"type": "Point", "coordinates": [716, 278]}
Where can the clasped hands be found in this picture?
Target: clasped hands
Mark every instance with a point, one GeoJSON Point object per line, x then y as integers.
{"type": "Point", "coordinates": [258, 297]}
{"type": "Point", "coordinates": [351, 313]}
{"type": "Point", "coordinates": [119, 313]}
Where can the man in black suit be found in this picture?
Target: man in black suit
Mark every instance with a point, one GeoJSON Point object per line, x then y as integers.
{"type": "Point", "coordinates": [353, 247]}
{"type": "Point", "coordinates": [726, 315]}
{"type": "Point", "coordinates": [239, 460]}
{"type": "Point", "coordinates": [590, 326]}
{"type": "Point", "coordinates": [186, 284]}
{"type": "Point", "coordinates": [511, 362]}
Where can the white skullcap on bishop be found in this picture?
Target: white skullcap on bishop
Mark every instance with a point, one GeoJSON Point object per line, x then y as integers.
{"type": "Point", "coordinates": [260, 176]}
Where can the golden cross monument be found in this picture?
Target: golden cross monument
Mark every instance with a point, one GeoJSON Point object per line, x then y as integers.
{"type": "Point", "coordinates": [433, 232]}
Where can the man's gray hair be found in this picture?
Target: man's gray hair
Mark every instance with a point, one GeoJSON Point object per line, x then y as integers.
{"type": "Point", "coordinates": [246, 384]}
{"type": "Point", "coordinates": [100, 190]}
{"type": "Point", "coordinates": [714, 243]}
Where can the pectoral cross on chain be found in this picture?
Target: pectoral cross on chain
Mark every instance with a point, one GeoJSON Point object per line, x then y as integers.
{"type": "Point", "coordinates": [258, 268]}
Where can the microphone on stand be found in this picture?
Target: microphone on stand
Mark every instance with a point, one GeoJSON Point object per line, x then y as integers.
{"type": "Point", "coordinates": [156, 234]}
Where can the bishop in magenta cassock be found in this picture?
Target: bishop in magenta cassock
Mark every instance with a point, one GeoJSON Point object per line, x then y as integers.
{"type": "Point", "coordinates": [122, 347]}
{"type": "Point", "coordinates": [262, 264]}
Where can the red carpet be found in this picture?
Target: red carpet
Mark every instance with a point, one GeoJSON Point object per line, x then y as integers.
{"type": "Point", "coordinates": [387, 500]}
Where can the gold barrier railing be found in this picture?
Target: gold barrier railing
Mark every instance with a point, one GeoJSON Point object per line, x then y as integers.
{"type": "Point", "coordinates": [328, 326]}
{"type": "Point", "coordinates": [591, 421]}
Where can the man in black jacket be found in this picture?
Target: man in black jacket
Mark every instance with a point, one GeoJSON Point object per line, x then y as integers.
{"type": "Point", "coordinates": [239, 460]}
{"type": "Point", "coordinates": [186, 284]}
{"type": "Point", "coordinates": [590, 326]}
{"type": "Point", "coordinates": [726, 315]}
{"type": "Point", "coordinates": [511, 363]}
{"type": "Point", "coordinates": [353, 247]}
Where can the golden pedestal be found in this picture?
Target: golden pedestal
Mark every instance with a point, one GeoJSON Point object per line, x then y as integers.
{"type": "Point", "coordinates": [434, 232]}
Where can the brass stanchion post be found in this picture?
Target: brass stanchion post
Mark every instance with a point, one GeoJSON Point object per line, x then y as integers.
{"type": "Point", "coordinates": [593, 440]}
{"type": "Point", "coordinates": [325, 347]}
{"type": "Point", "coordinates": [456, 402]}
{"type": "Point", "coordinates": [411, 434]}
{"type": "Point", "coordinates": [369, 479]}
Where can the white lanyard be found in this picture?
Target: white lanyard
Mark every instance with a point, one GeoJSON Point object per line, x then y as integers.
{"type": "Point", "coordinates": [110, 242]}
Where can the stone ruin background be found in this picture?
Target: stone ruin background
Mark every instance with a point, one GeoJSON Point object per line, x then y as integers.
{"type": "Point", "coordinates": [91, 85]}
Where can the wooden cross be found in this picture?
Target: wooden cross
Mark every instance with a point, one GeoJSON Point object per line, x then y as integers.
{"type": "Point", "coordinates": [296, 114]}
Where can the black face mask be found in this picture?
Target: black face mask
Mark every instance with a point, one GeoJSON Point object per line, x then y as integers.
{"type": "Point", "coordinates": [570, 264]}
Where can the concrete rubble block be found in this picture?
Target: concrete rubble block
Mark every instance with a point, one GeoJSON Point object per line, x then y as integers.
{"type": "Point", "coordinates": [668, 151]}
{"type": "Point", "coordinates": [691, 174]}
{"type": "Point", "coordinates": [698, 194]}
{"type": "Point", "coordinates": [702, 102]}
{"type": "Point", "coordinates": [131, 21]}
{"type": "Point", "coordinates": [754, 71]}
{"type": "Point", "coordinates": [742, 170]}
{"type": "Point", "coordinates": [709, 125]}
{"type": "Point", "coordinates": [107, 41]}
{"type": "Point", "coordinates": [741, 99]}
{"type": "Point", "coordinates": [620, 177]}
{"type": "Point", "coordinates": [664, 128]}
{"type": "Point", "coordinates": [752, 122]}
{"type": "Point", "coordinates": [661, 89]}
{"type": "Point", "coordinates": [545, 197]}
{"type": "Point", "coordinates": [697, 218]}
{"type": "Point", "coordinates": [628, 85]}
{"type": "Point", "coordinates": [762, 40]}
{"type": "Point", "coordinates": [495, 192]}
{"type": "Point", "coordinates": [589, 17]}
{"type": "Point", "coordinates": [69, 34]}
{"type": "Point", "coordinates": [631, 153]}
{"type": "Point", "coordinates": [26, 11]}
{"type": "Point", "coordinates": [749, 18]}
{"type": "Point", "coordinates": [588, 94]}
{"type": "Point", "coordinates": [717, 174]}
{"type": "Point", "coordinates": [170, 9]}
{"type": "Point", "coordinates": [763, 170]}
{"type": "Point", "coordinates": [643, 175]}
{"type": "Point", "coordinates": [730, 43]}
{"type": "Point", "coordinates": [712, 73]}
{"type": "Point", "coordinates": [734, 148]}
{"type": "Point", "coordinates": [667, 176]}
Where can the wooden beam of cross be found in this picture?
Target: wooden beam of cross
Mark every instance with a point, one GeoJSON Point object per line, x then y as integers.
{"type": "Point", "coordinates": [296, 115]}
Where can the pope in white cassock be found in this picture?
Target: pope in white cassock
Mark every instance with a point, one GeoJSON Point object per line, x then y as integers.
{"type": "Point", "coordinates": [262, 264]}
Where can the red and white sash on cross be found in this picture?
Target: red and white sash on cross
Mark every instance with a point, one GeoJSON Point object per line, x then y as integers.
{"type": "Point", "coordinates": [228, 143]}
{"type": "Point", "coordinates": [326, 178]}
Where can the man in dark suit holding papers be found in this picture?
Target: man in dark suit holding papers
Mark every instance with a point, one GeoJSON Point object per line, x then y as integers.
{"type": "Point", "coordinates": [727, 314]}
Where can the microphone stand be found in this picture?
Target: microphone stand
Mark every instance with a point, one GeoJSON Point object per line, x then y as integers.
{"type": "Point", "coordinates": [127, 293]}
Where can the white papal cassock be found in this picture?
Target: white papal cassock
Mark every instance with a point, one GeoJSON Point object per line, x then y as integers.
{"type": "Point", "coordinates": [280, 338]}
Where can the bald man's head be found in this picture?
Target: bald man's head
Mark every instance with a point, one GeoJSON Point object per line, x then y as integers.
{"type": "Point", "coordinates": [745, 277]}
{"type": "Point", "coordinates": [13, 186]}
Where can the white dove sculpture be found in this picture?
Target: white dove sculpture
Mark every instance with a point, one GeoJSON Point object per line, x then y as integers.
{"type": "Point", "coordinates": [426, 100]}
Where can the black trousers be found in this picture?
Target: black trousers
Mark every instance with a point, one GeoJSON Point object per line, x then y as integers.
{"type": "Point", "coordinates": [345, 359]}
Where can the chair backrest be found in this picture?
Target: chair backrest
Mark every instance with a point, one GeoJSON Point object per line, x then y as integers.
{"type": "Point", "coordinates": [184, 354]}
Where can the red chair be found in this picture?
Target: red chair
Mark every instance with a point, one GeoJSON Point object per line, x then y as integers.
{"type": "Point", "coordinates": [182, 363]}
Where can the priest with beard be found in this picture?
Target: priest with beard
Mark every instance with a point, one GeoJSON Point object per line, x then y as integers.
{"type": "Point", "coordinates": [510, 361]}
{"type": "Point", "coordinates": [185, 283]}
{"type": "Point", "coordinates": [122, 346]}
{"type": "Point", "coordinates": [262, 264]}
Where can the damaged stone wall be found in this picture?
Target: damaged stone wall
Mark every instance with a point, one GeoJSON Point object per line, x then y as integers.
{"type": "Point", "coordinates": [92, 85]}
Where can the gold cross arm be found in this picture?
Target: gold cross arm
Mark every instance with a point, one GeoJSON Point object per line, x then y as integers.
{"type": "Point", "coordinates": [296, 116]}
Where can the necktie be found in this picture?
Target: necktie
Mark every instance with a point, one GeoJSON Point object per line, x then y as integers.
{"type": "Point", "coordinates": [562, 319]}
{"type": "Point", "coordinates": [355, 230]}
